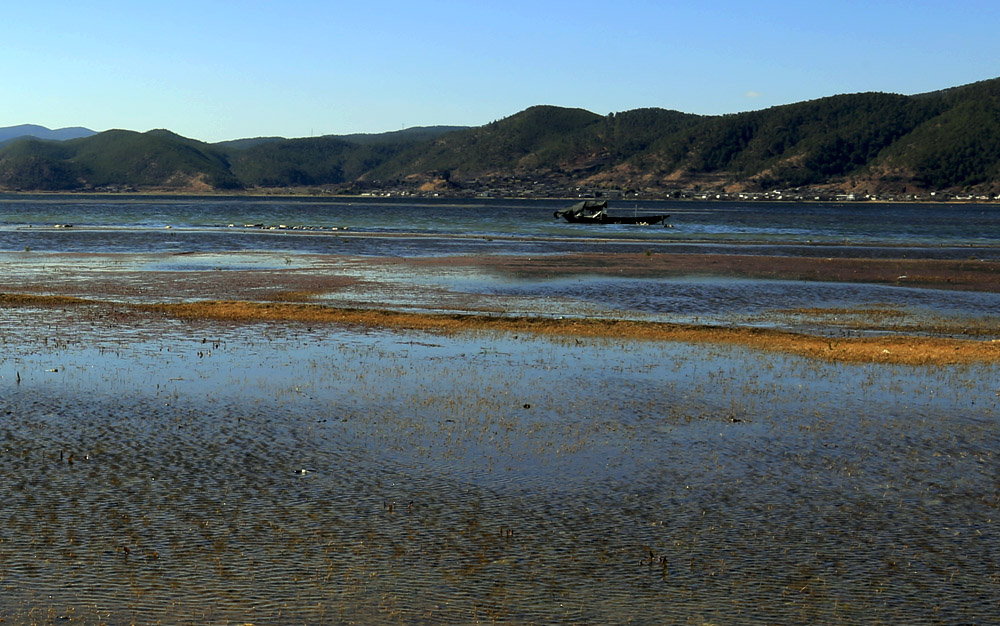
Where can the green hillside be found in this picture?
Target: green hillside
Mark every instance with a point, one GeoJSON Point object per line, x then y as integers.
{"type": "Point", "coordinates": [328, 160]}
{"type": "Point", "coordinates": [119, 158]}
{"type": "Point", "coordinates": [869, 142]}
{"type": "Point", "coordinates": [533, 140]}
{"type": "Point", "coordinates": [33, 164]}
{"type": "Point", "coordinates": [959, 147]}
{"type": "Point", "coordinates": [158, 158]}
{"type": "Point", "coordinates": [809, 143]}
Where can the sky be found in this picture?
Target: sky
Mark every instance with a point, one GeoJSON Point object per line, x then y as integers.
{"type": "Point", "coordinates": [215, 70]}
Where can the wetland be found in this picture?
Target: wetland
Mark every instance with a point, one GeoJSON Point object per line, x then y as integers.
{"type": "Point", "coordinates": [494, 423]}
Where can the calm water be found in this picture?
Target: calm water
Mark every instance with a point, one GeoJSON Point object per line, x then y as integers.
{"type": "Point", "coordinates": [154, 470]}
{"type": "Point", "coordinates": [129, 225]}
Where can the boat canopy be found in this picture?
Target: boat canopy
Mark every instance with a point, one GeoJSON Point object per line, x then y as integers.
{"type": "Point", "coordinates": [587, 208]}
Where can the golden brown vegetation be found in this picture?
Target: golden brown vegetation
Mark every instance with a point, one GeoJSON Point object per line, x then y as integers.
{"type": "Point", "coordinates": [895, 348]}
{"type": "Point", "coordinates": [911, 350]}
{"type": "Point", "coordinates": [25, 299]}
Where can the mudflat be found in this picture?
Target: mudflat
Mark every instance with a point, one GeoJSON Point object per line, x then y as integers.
{"type": "Point", "coordinates": [388, 292]}
{"type": "Point", "coordinates": [256, 438]}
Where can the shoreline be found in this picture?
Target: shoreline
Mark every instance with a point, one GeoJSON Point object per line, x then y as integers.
{"type": "Point", "coordinates": [307, 193]}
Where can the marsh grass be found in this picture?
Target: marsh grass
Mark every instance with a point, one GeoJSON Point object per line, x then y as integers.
{"type": "Point", "coordinates": [910, 350]}
{"type": "Point", "coordinates": [23, 299]}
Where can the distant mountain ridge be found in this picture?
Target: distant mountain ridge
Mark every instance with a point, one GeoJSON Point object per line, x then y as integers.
{"type": "Point", "coordinates": [10, 133]}
{"type": "Point", "coordinates": [853, 143]}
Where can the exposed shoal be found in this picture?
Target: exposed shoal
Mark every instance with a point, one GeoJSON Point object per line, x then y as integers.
{"type": "Point", "coordinates": [905, 350]}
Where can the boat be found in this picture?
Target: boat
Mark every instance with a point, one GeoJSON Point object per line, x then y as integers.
{"type": "Point", "coordinates": [596, 212]}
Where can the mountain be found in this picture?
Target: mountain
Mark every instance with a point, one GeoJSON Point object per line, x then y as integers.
{"type": "Point", "coordinates": [544, 142]}
{"type": "Point", "coordinates": [328, 160]}
{"type": "Point", "coordinates": [11, 133]}
{"type": "Point", "coordinates": [861, 143]}
{"type": "Point", "coordinates": [947, 140]}
{"type": "Point", "coordinates": [115, 159]}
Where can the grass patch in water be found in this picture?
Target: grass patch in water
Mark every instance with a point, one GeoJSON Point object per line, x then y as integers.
{"type": "Point", "coordinates": [894, 349]}
{"type": "Point", "coordinates": [908, 350]}
{"type": "Point", "coordinates": [26, 299]}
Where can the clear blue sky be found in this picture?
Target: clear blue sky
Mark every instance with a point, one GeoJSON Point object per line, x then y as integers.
{"type": "Point", "coordinates": [216, 70]}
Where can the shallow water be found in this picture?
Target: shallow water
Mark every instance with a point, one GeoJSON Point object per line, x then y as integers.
{"type": "Point", "coordinates": [135, 224]}
{"type": "Point", "coordinates": [481, 477]}
{"type": "Point", "coordinates": [706, 298]}
{"type": "Point", "coordinates": [68, 241]}
{"type": "Point", "coordinates": [194, 472]}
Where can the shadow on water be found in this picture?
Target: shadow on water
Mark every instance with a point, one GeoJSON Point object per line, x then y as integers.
{"type": "Point", "coordinates": [198, 472]}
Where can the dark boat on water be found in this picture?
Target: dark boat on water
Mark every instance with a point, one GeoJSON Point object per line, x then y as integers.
{"type": "Point", "coordinates": [596, 212]}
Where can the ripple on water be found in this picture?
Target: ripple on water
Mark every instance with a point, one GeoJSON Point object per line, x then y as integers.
{"type": "Point", "coordinates": [157, 475]}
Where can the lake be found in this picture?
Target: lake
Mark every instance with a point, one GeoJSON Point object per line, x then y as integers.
{"type": "Point", "coordinates": [939, 230]}
{"type": "Point", "coordinates": [157, 469]}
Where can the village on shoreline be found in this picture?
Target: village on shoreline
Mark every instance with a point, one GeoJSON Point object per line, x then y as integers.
{"type": "Point", "coordinates": [528, 190]}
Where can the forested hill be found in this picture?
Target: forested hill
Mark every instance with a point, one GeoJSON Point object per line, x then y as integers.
{"type": "Point", "coordinates": [861, 143]}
